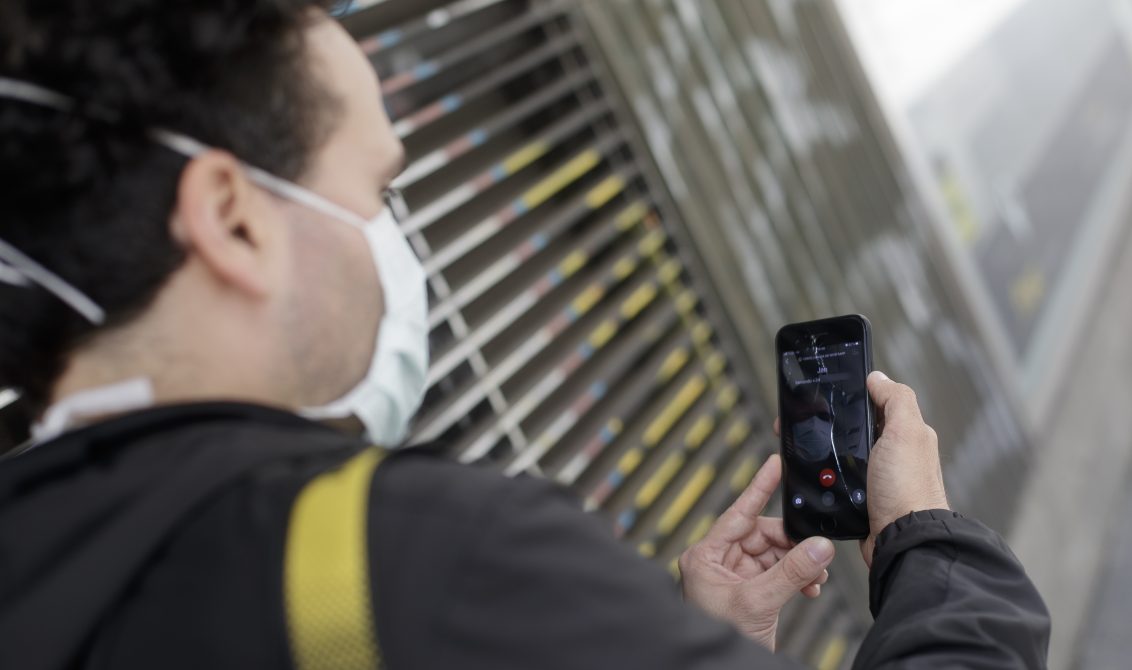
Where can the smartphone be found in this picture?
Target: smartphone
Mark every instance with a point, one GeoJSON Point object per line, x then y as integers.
{"type": "Point", "coordinates": [828, 426]}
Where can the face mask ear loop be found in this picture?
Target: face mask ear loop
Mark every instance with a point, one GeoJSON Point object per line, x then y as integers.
{"type": "Point", "coordinates": [190, 148]}
{"type": "Point", "coordinates": [50, 281]}
{"type": "Point", "coordinates": [16, 268]}
{"type": "Point", "coordinates": [14, 89]}
{"type": "Point", "coordinates": [11, 276]}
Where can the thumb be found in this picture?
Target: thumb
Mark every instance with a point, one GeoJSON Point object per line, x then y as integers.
{"type": "Point", "coordinates": [896, 402]}
{"type": "Point", "coordinates": [800, 567]}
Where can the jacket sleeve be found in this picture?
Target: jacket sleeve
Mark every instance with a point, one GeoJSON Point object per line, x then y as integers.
{"type": "Point", "coordinates": [547, 586]}
{"type": "Point", "coordinates": [947, 592]}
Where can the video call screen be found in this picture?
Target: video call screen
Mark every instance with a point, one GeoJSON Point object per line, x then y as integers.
{"type": "Point", "coordinates": [824, 405]}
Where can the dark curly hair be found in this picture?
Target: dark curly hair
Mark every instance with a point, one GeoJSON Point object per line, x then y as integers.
{"type": "Point", "coordinates": [90, 199]}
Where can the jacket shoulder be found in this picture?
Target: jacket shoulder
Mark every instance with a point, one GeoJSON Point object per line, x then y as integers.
{"type": "Point", "coordinates": [423, 480]}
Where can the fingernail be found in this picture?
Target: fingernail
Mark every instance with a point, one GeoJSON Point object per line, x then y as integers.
{"type": "Point", "coordinates": [881, 375]}
{"type": "Point", "coordinates": [820, 549]}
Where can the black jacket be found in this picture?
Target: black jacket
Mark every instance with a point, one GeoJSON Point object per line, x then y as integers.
{"type": "Point", "coordinates": [156, 541]}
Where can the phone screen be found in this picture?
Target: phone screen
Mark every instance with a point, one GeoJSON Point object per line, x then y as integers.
{"type": "Point", "coordinates": [827, 421]}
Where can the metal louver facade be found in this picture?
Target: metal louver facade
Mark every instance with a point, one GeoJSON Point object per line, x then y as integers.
{"type": "Point", "coordinates": [618, 203]}
{"type": "Point", "coordinates": [568, 337]}
{"type": "Point", "coordinates": [764, 130]}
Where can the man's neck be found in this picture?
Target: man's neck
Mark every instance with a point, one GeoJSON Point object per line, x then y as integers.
{"type": "Point", "coordinates": [172, 378]}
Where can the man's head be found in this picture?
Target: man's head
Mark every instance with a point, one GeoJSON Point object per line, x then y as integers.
{"type": "Point", "coordinates": [213, 287]}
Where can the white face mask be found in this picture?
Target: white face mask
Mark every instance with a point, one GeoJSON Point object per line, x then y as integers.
{"type": "Point", "coordinates": [813, 438]}
{"type": "Point", "coordinates": [386, 399]}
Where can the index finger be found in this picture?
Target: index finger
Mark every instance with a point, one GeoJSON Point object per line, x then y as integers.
{"type": "Point", "coordinates": [896, 403]}
{"type": "Point", "coordinates": [743, 516]}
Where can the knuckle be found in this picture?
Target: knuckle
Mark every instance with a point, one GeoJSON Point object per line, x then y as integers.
{"type": "Point", "coordinates": [794, 570]}
{"type": "Point", "coordinates": [899, 434]}
{"type": "Point", "coordinates": [930, 435]}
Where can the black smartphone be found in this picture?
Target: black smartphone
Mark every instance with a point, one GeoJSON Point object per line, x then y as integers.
{"type": "Point", "coordinates": [828, 426]}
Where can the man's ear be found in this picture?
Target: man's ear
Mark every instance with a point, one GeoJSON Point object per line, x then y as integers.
{"type": "Point", "coordinates": [220, 217]}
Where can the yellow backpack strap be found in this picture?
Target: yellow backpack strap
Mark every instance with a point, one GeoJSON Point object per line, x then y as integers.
{"type": "Point", "coordinates": [326, 574]}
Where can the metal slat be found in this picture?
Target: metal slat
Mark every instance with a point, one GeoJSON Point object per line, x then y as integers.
{"type": "Point", "coordinates": [467, 50]}
{"type": "Point", "coordinates": [712, 504]}
{"type": "Point", "coordinates": [516, 259]}
{"type": "Point", "coordinates": [434, 20]}
{"type": "Point", "coordinates": [504, 317]}
{"type": "Point", "coordinates": [521, 196]}
{"type": "Point", "coordinates": [503, 121]}
{"type": "Point", "coordinates": [563, 270]}
{"type": "Point", "coordinates": [681, 446]}
{"type": "Point", "coordinates": [581, 409]}
{"type": "Point", "coordinates": [533, 346]}
{"type": "Point", "coordinates": [592, 441]}
{"type": "Point", "coordinates": [495, 79]}
{"type": "Point", "coordinates": [607, 348]}
{"type": "Point", "coordinates": [543, 385]}
{"type": "Point", "coordinates": [510, 165]}
{"type": "Point", "coordinates": [674, 507]}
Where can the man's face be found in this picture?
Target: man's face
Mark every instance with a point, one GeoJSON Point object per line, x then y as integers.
{"type": "Point", "coordinates": [334, 299]}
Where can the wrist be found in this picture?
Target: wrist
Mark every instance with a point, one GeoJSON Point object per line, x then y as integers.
{"type": "Point", "coordinates": [929, 530]}
{"type": "Point", "coordinates": [921, 504]}
{"type": "Point", "coordinates": [926, 515]}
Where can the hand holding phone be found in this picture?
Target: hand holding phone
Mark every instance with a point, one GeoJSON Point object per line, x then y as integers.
{"type": "Point", "coordinates": [904, 468]}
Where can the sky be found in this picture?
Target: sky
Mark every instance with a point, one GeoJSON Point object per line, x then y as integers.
{"type": "Point", "coordinates": [907, 44]}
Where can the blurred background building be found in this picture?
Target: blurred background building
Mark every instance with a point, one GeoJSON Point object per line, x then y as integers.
{"type": "Point", "coordinates": [1015, 120]}
{"type": "Point", "coordinates": [1018, 120]}
{"type": "Point", "coordinates": [619, 202]}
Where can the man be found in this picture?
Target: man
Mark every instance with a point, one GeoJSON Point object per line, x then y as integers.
{"type": "Point", "coordinates": [198, 257]}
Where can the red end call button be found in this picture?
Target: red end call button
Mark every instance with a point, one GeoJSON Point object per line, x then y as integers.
{"type": "Point", "coordinates": [827, 478]}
